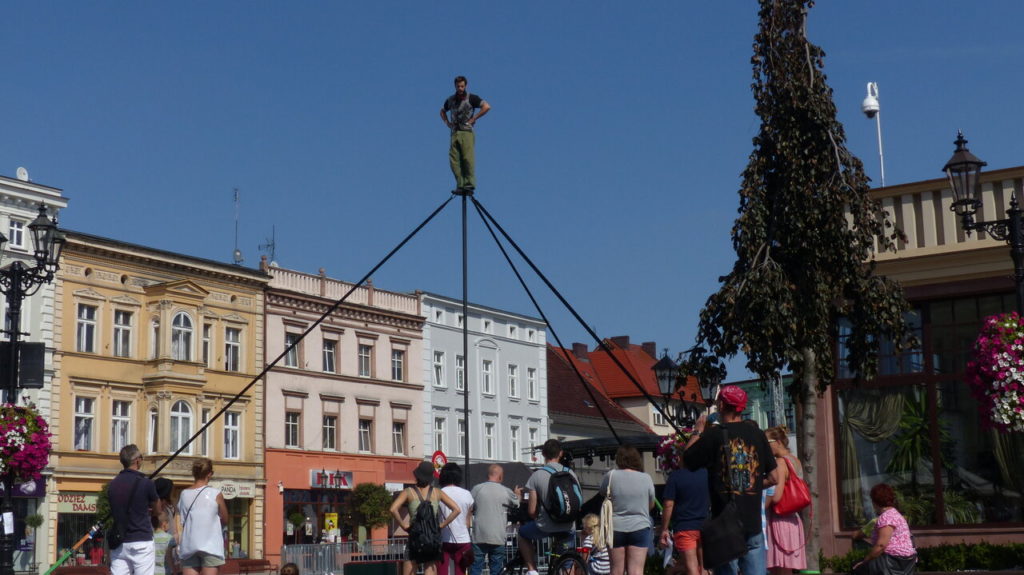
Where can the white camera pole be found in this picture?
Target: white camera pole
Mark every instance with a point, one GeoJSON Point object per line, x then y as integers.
{"type": "Point", "coordinates": [872, 109]}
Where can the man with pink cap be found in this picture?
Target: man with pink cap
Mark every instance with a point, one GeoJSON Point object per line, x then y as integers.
{"type": "Point", "coordinates": [739, 459]}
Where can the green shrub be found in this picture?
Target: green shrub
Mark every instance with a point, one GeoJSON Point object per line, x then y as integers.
{"type": "Point", "coordinates": [947, 558]}
{"type": "Point", "coordinates": [843, 563]}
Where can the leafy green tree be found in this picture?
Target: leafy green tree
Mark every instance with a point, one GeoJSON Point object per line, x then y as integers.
{"type": "Point", "coordinates": [368, 506]}
{"type": "Point", "coordinates": [804, 239]}
{"type": "Point", "coordinates": [103, 514]}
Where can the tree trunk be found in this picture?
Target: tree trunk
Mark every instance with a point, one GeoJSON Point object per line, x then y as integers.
{"type": "Point", "coordinates": [808, 452]}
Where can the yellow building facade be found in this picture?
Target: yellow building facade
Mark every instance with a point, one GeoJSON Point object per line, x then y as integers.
{"type": "Point", "coordinates": [150, 347]}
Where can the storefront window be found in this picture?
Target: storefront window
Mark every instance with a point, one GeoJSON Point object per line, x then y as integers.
{"type": "Point", "coordinates": [306, 513]}
{"type": "Point", "coordinates": [25, 536]}
{"type": "Point", "coordinates": [916, 427]}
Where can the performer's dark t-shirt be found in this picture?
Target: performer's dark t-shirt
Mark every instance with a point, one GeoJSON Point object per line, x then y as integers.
{"type": "Point", "coordinates": [739, 467]}
{"type": "Point", "coordinates": [462, 110]}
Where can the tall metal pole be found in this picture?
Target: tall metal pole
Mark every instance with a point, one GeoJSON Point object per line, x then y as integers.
{"type": "Point", "coordinates": [465, 332]}
{"type": "Point", "coordinates": [15, 295]}
{"type": "Point", "coordinates": [881, 156]}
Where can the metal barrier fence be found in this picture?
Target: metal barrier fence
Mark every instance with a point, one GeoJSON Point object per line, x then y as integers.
{"type": "Point", "coordinates": [322, 559]}
{"type": "Point", "coordinates": [330, 558]}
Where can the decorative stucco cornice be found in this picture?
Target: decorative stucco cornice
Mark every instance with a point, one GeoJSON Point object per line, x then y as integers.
{"type": "Point", "coordinates": [292, 301]}
{"type": "Point", "coordinates": [106, 248]}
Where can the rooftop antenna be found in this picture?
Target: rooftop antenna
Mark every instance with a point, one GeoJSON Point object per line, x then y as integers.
{"type": "Point", "coordinates": [270, 246]}
{"type": "Point", "coordinates": [237, 253]}
{"type": "Point", "coordinates": [871, 109]}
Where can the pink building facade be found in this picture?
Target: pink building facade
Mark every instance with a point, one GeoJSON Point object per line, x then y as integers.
{"type": "Point", "coordinates": [342, 405]}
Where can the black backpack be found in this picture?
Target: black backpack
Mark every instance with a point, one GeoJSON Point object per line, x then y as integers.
{"type": "Point", "coordinates": [564, 498]}
{"type": "Point", "coordinates": [425, 531]}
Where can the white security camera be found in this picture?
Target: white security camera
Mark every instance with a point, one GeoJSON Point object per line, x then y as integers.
{"type": "Point", "coordinates": [870, 105]}
{"type": "Point", "coordinates": [280, 486]}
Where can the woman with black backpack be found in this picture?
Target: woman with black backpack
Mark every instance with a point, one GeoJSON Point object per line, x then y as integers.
{"type": "Point", "coordinates": [422, 523]}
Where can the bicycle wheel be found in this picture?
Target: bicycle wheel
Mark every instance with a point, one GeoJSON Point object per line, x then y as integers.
{"type": "Point", "coordinates": [568, 564]}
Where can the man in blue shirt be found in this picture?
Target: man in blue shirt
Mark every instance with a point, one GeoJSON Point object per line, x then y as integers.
{"type": "Point", "coordinates": [687, 504]}
{"type": "Point", "coordinates": [133, 504]}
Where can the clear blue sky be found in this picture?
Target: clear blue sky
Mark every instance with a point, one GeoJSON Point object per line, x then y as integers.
{"type": "Point", "coordinates": [613, 152]}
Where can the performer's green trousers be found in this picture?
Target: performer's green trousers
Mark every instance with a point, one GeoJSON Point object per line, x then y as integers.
{"type": "Point", "coordinates": [462, 160]}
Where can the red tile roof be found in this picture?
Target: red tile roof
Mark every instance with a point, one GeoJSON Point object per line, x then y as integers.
{"type": "Point", "coordinates": [636, 361]}
{"type": "Point", "coordinates": [566, 395]}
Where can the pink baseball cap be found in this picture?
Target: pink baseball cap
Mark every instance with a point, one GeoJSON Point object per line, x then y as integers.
{"type": "Point", "coordinates": [733, 396]}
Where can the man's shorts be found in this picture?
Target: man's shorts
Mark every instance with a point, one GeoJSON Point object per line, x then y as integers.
{"type": "Point", "coordinates": [202, 559]}
{"type": "Point", "coordinates": [686, 540]}
{"type": "Point", "coordinates": [560, 540]}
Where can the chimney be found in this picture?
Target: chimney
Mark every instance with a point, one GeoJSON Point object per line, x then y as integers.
{"type": "Point", "coordinates": [580, 351]}
{"type": "Point", "coordinates": [621, 341]}
{"type": "Point", "coordinates": [650, 349]}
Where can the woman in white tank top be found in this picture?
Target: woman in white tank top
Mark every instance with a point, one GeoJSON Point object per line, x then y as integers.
{"type": "Point", "coordinates": [202, 514]}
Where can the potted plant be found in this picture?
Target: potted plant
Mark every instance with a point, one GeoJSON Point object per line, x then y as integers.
{"type": "Point", "coordinates": [297, 520]}
{"type": "Point", "coordinates": [24, 443]}
{"type": "Point", "coordinates": [995, 373]}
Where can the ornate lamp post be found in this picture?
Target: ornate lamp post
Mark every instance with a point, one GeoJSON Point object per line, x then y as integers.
{"type": "Point", "coordinates": [964, 173]}
{"type": "Point", "coordinates": [708, 391]}
{"type": "Point", "coordinates": [667, 373]}
{"type": "Point", "coordinates": [18, 281]}
{"type": "Point", "coordinates": [671, 384]}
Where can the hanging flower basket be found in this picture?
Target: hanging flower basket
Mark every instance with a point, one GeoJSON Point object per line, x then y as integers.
{"type": "Point", "coordinates": [670, 451]}
{"type": "Point", "coordinates": [995, 374]}
{"type": "Point", "coordinates": [24, 442]}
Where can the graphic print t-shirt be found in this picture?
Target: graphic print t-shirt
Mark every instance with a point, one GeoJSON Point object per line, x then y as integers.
{"type": "Point", "coordinates": [738, 467]}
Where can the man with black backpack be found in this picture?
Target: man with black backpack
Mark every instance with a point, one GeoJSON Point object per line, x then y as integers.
{"type": "Point", "coordinates": [554, 505]}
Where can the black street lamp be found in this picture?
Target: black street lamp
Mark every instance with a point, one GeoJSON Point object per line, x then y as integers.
{"type": "Point", "coordinates": [18, 281]}
{"type": "Point", "coordinates": [672, 385]}
{"type": "Point", "coordinates": [964, 173]}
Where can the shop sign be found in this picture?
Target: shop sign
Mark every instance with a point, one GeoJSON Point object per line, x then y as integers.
{"type": "Point", "coordinates": [393, 487]}
{"type": "Point", "coordinates": [76, 502]}
{"type": "Point", "coordinates": [323, 479]}
{"type": "Point", "coordinates": [232, 489]}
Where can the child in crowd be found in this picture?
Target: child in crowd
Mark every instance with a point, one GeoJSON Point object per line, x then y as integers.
{"type": "Point", "coordinates": [598, 562]}
{"type": "Point", "coordinates": [163, 546]}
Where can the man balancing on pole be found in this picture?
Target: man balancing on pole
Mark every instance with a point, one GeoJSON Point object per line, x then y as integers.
{"type": "Point", "coordinates": [462, 105]}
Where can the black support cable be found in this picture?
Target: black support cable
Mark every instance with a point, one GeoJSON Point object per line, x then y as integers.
{"type": "Point", "coordinates": [309, 329]}
{"type": "Point", "coordinates": [96, 528]}
{"type": "Point", "coordinates": [551, 329]}
{"type": "Point", "coordinates": [572, 310]}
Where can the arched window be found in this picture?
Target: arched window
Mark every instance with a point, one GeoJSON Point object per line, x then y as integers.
{"type": "Point", "coordinates": [181, 337]}
{"type": "Point", "coordinates": [181, 426]}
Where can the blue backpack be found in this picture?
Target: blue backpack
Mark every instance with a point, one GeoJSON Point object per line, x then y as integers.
{"type": "Point", "coordinates": [564, 498]}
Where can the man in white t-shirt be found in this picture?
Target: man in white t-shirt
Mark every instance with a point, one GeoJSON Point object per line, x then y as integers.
{"type": "Point", "coordinates": [455, 541]}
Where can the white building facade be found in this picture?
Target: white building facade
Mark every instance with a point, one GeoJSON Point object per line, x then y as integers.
{"type": "Point", "coordinates": [19, 205]}
{"type": "Point", "coordinates": [505, 375]}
